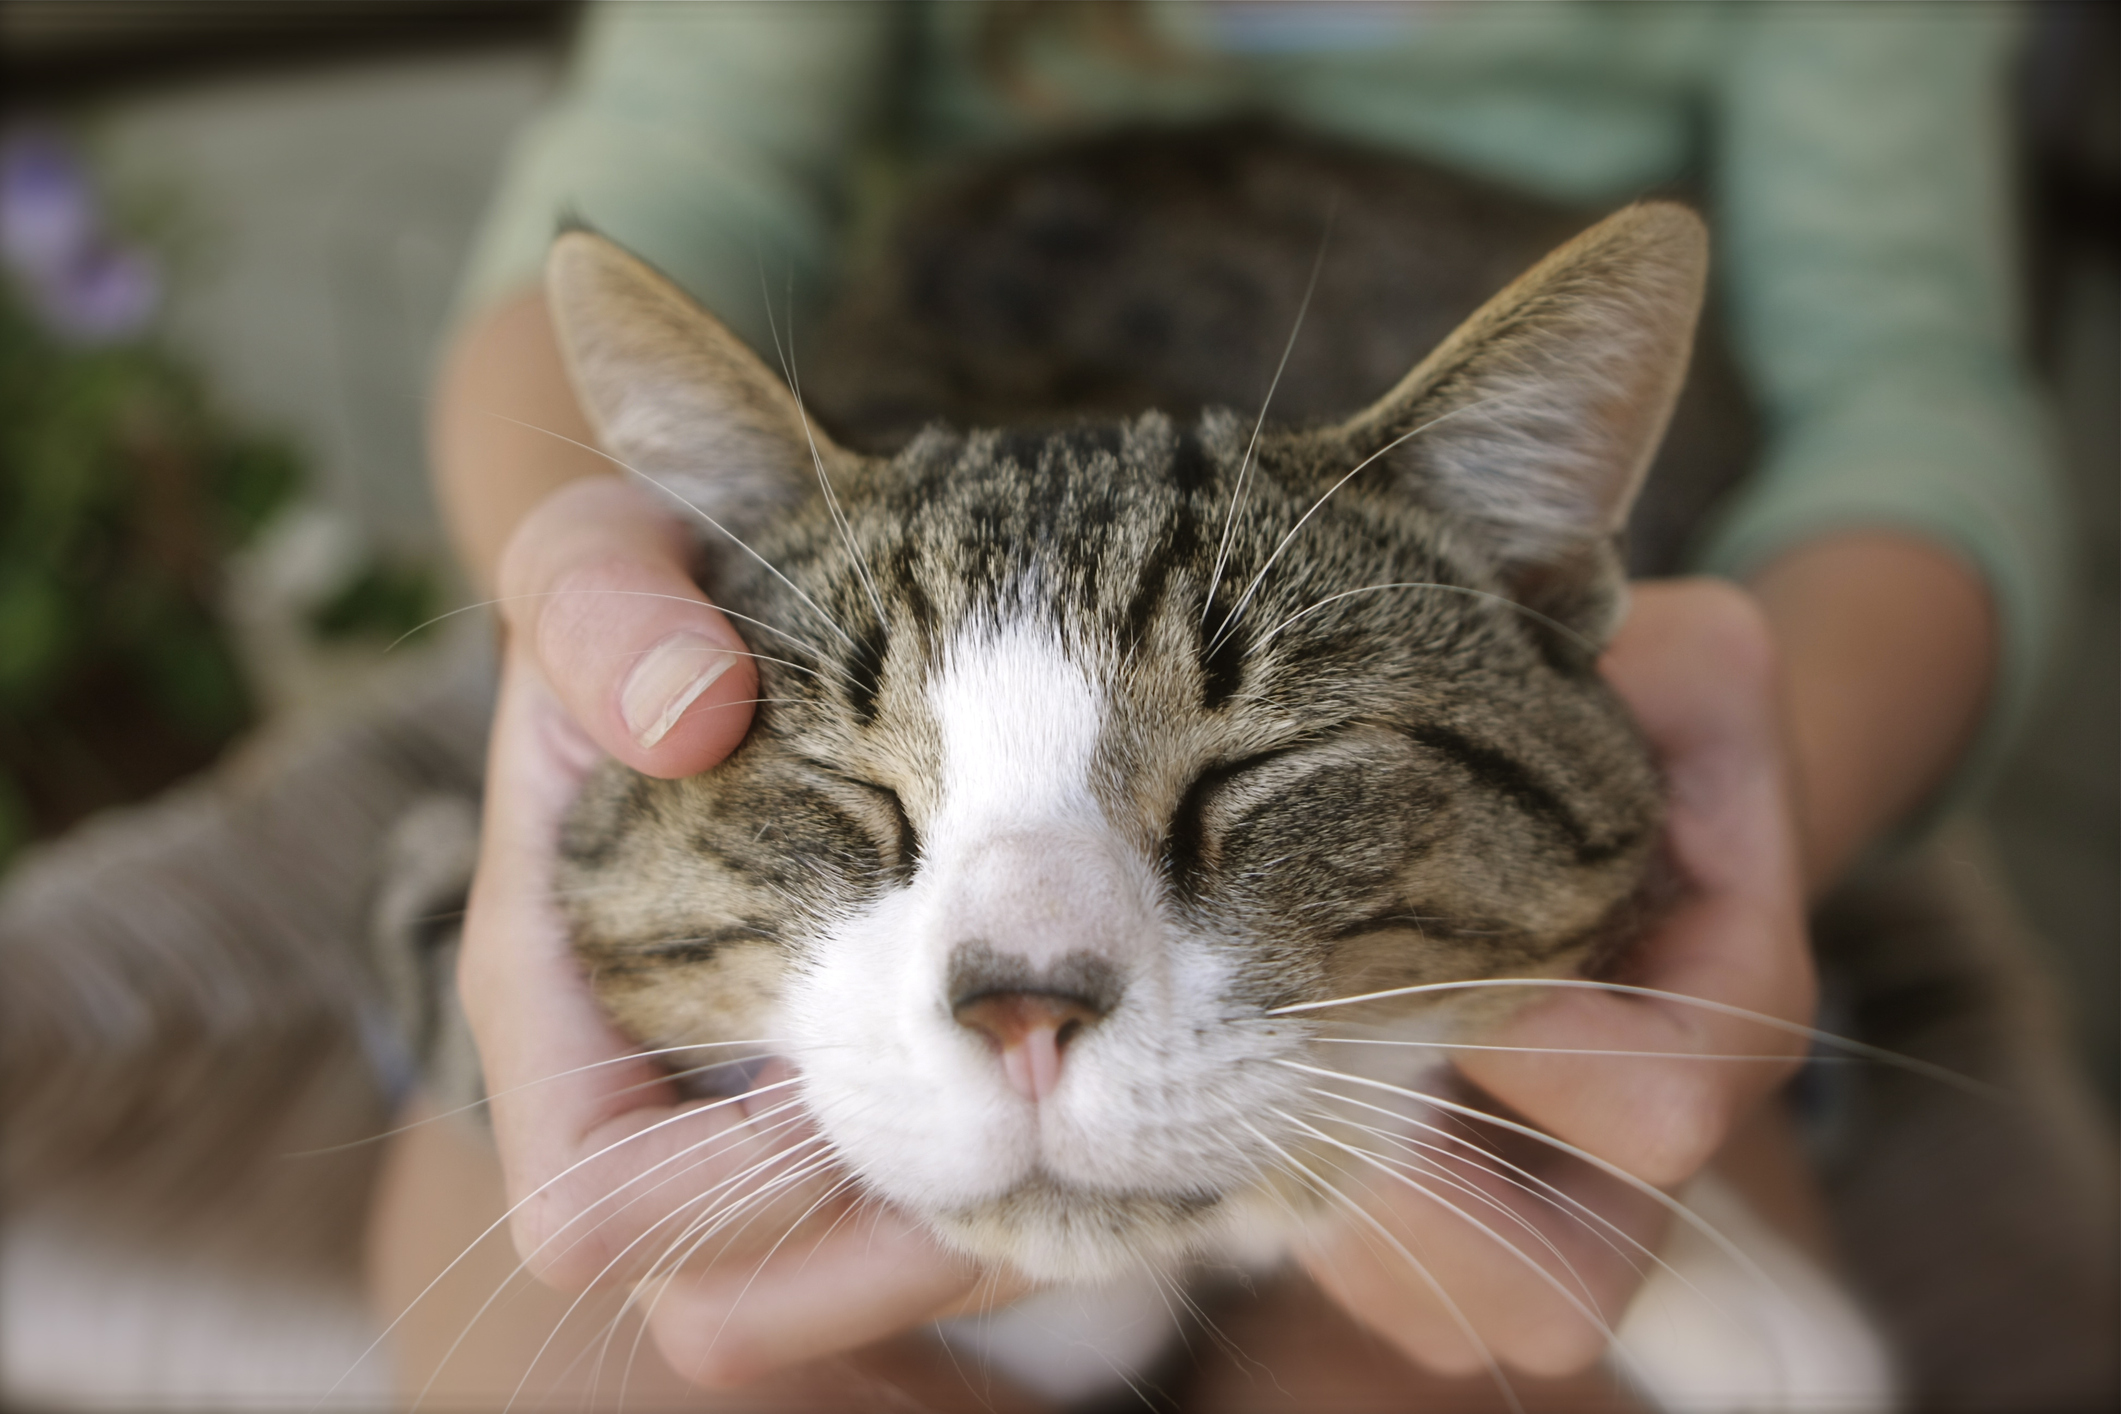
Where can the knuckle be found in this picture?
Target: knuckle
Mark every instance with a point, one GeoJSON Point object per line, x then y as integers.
{"type": "Point", "coordinates": [1679, 1134]}
{"type": "Point", "coordinates": [1454, 1360]}
{"type": "Point", "coordinates": [1744, 642]}
{"type": "Point", "coordinates": [1563, 1345]}
{"type": "Point", "coordinates": [549, 1241]}
{"type": "Point", "coordinates": [703, 1353]}
{"type": "Point", "coordinates": [572, 599]}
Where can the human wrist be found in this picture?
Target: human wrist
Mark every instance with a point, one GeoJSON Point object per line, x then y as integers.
{"type": "Point", "coordinates": [1889, 646]}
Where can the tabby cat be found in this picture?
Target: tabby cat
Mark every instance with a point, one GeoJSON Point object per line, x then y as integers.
{"type": "Point", "coordinates": [1094, 754]}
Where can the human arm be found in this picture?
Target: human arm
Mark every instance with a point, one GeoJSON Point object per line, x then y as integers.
{"type": "Point", "coordinates": [1889, 652]}
{"type": "Point", "coordinates": [1904, 528]}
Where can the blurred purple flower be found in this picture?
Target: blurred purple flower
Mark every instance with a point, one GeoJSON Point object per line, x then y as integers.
{"type": "Point", "coordinates": [85, 288]}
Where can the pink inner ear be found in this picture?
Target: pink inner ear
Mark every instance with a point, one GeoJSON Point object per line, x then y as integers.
{"type": "Point", "coordinates": [1540, 414]}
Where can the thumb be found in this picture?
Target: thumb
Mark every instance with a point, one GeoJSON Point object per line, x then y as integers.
{"type": "Point", "coordinates": [595, 585]}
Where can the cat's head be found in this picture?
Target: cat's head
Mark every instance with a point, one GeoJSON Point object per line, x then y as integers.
{"type": "Point", "coordinates": [1085, 753]}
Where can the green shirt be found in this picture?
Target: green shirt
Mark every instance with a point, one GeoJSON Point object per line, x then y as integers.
{"type": "Point", "coordinates": [1856, 157]}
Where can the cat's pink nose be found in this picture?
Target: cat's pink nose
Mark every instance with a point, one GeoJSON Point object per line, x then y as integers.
{"type": "Point", "coordinates": [1028, 1030]}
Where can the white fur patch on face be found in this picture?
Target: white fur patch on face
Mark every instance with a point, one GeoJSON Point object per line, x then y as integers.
{"type": "Point", "coordinates": [1019, 722]}
{"type": "Point", "coordinates": [1012, 857]}
{"type": "Point", "coordinates": [1018, 859]}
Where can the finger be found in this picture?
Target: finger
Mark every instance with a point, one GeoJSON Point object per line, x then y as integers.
{"type": "Point", "coordinates": [597, 582]}
{"type": "Point", "coordinates": [599, 1150]}
{"type": "Point", "coordinates": [1662, 1113]}
{"type": "Point", "coordinates": [873, 1275]}
{"type": "Point", "coordinates": [535, 1021]}
{"type": "Point", "coordinates": [1459, 1267]}
{"type": "Point", "coordinates": [1696, 666]}
{"type": "Point", "coordinates": [1695, 663]}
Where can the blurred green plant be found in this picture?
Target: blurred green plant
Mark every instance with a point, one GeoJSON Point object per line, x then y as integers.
{"type": "Point", "coordinates": [121, 495]}
{"type": "Point", "coordinates": [388, 599]}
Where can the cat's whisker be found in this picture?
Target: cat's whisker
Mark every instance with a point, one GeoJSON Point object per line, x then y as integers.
{"type": "Point", "coordinates": [1583, 1307]}
{"type": "Point", "coordinates": [823, 663]}
{"type": "Point", "coordinates": [700, 1154]}
{"type": "Point", "coordinates": [760, 1267]}
{"type": "Point", "coordinates": [822, 667]}
{"type": "Point", "coordinates": [798, 640]}
{"type": "Point", "coordinates": [1212, 1328]}
{"type": "Point", "coordinates": [1567, 1050]}
{"type": "Point", "coordinates": [1435, 1169]}
{"type": "Point", "coordinates": [612, 1326]}
{"type": "Point", "coordinates": [1592, 1220]}
{"type": "Point", "coordinates": [1485, 1160]}
{"type": "Point", "coordinates": [1244, 465]}
{"type": "Point", "coordinates": [522, 1266]}
{"type": "Point", "coordinates": [1555, 624]}
{"type": "Point", "coordinates": [705, 1152]}
{"type": "Point", "coordinates": [1774, 1023]}
{"type": "Point", "coordinates": [725, 612]}
{"type": "Point", "coordinates": [818, 671]}
{"type": "Point", "coordinates": [733, 537]}
{"type": "Point", "coordinates": [1173, 1297]}
{"type": "Point", "coordinates": [1415, 1264]}
{"type": "Point", "coordinates": [511, 1090]}
{"type": "Point", "coordinates": [749, 1190]}
{"type": "Point", "coordinates": [1656, 1195]}
{"type": "Point", "coordinates": [832, 501]}
{"type": "Point", "coordinates": [502, 1221]}
{"type": "Point", "coordinates": [1237, 610]}
{"type": "Point", "coordinates": [706, 1197]}
{"type": "Point", "coordinates": [705, 1225]}
{"type": "Point", "coordinates": [665, 1268]}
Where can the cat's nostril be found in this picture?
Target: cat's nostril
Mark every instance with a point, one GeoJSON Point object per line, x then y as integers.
{"type": "Point", "coordinates": [1028, 1031]}
{"type": "Point", "coordinates": [1006, 1017]}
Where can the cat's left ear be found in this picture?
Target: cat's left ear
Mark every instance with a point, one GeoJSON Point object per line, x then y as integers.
{"type": "Point", "coordinates": [673, 393]}
{"type": "Point", "coordinates": [1534, 423]}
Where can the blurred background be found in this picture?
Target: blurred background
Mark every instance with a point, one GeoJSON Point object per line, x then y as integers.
{"type": "Point", "coordinates": [232, 233]}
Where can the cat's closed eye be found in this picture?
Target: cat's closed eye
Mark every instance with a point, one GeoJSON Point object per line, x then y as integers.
{"type": "Point", "coordinates": [1185, 839]}
{"type": "Point", "coordinates": [1316, 833]}
{"type": "Point", "coordinates": [906, 840]}
{"type": "Point", "coordinates": [880, 811]}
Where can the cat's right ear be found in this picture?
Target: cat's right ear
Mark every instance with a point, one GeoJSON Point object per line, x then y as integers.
{"type": "Point", "coordinates": [672, 393]}
{"type": "Point", "coordinates": [1534, 423]}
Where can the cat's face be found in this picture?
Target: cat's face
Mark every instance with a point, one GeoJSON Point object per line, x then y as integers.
{"type": "Point", "coordinates": [1085, 754]}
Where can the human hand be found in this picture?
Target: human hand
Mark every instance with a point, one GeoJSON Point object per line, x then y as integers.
{"type": "Point", "coordinates": [606, 1162]}
{"type": "Point", "coordinates": [1696, 664]}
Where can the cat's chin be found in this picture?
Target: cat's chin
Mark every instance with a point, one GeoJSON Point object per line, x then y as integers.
{"type": "Point", "coordinates": [1054, 1232]}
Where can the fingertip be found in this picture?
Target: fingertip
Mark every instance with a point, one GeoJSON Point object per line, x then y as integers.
{"type": "Point", "coordinates": [693, 1338]}
{"type": "Point", "coordinates": [597, 583]}
{"type": "Point", "coordinates": [686, 700]}
{"type": "Point", "coordinates": [1693, 648]}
